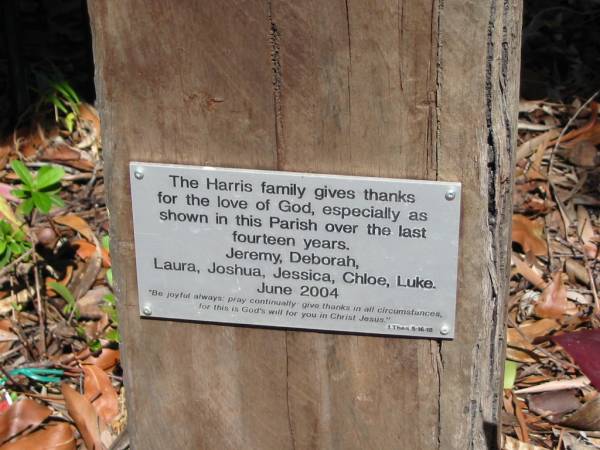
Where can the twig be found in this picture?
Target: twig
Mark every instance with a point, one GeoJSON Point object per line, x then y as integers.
{"type": "Point", "coordinates": [593, 286]}
{"type": "Point", "coordinates": [556, 385]}
{"type": "Point", "coordinates": [17, 329]}
{"type": "Point", "coordinates": [550, 253]}
{"type": "Point", "coordinates": [90, 184]}
{"type": "Point", "coordinates": [40, 305]}
{"type": "Point", "coordinates": [77, 177]}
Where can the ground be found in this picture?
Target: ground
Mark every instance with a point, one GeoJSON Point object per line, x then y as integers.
{"type": "Point", "coordinates": [61, 381]}
{"type": "Point", "coordinates": [552, 370]}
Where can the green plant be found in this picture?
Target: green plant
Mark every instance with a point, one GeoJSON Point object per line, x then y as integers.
{"type": "Point", "coordinates": [71, 306]}
{"type": "Point", "coordinates": [41, 191]}
{"type": "Point", "coordinates": [13, 242]}
{"type": "Point", "coordinates": [64, 100]}
{"type": "Point", "coordinates": [95, 345]}
{"type": "Point", "coordinates": [110, 308]}
{"type": "Point", "coordinates": [510, 373]}
{"type": "Point", "coordinates": [109, 274]}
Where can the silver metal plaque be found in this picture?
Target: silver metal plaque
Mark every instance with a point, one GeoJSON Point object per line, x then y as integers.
{"type": "Point", "coordinates": [296, 250]}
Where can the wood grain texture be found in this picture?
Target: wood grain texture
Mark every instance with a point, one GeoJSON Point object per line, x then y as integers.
{"type": "Point", "coordinates": [403, 88]}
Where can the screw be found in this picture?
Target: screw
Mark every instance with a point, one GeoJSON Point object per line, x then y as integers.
{"type": "Point", "coordinates": [138, 174]}
{"type": "Point", "coordinates": [444, 330]}
{"type": "Point", "coordinates": [147, 310]}
{"type": "Point", "coordinates": [450, 195]}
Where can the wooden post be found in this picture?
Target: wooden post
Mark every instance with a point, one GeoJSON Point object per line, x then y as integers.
{"type": "Point", "coordinates": [391, 88]}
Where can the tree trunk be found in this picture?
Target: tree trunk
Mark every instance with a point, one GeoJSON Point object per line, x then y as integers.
{"type": "Point", "coordinates": [387, 88]}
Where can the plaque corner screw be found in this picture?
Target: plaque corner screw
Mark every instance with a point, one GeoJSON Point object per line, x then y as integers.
{"type": "Point", "coordinates": [147, 310]}
{"type": "Point", "coordinates": [450, 195]}
{"type": "Point", "coordinates": [138, 174]}
{"type": "Point", "coordinates": [444, 330]}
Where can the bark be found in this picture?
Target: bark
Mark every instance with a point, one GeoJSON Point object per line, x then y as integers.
{"type": "Point", "coordinates": [391, 88]}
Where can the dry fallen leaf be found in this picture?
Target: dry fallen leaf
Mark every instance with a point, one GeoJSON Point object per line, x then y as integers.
{"type": "Point", "coordinates": [527, 272]}
{"type": "Point", "coordinates": [518, 355]}
{"type": "Point", "coordinates": [536, 328]}
{"type": "Point", "coordinates": [554, 404]}
{"type": "Point", "coordinates": [7, 304]}
{"type": "Point", "coordinates": [86, 250]}
{"type": "Point", "coordinates": [59, 436]}
{"type": "Point", "coordinates": [5, 152]}
{"type": "Point", "coordinates": [68, 156]}
{"type": "Point", "coordinates": [585, 418]}
{"type": "Point", "coordinates": [583, 154]}
{"type": "Point", "coordinates": [519, 343]}
{"type": "Point", "coordinates": [528, 234]}
{"type": "Point", "coordinates": [78, 224]}
{"type": "Point", "coordinates": [107, 359]}
{"type": "Point", "coordinates": [577, 271]}
{"type": "Point", "coordinates": [572, 442]}
{"type": "Point", "coordinates": [84, 415]}
{"type": "Point", "coordinates": [85, 276]}
{"type": "Point", "coordinates": [584, 348]}
{"type": "Point", "coordinates": [90, 305]}
{"type": "Point", "coordinates": [553, 302]}
{"type": "Point", "coordinates": [20, 416]}
{"type": "Point", "coordinates": [515, 339]}
{"type": "Point", "coordinates": [100, 391]}
{"type": "Point", "coordinates": [89, 114]}
{"type": "Point", "coordinates": [527, 148]}
{"type": "Point", "coordinates": [7, 337]}
{"type": "Point", "coordinates": [514, 444]}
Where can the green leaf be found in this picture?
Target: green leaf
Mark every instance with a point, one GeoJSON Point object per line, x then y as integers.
{"type": "Point", "coordinates": [5, 258]}
{"type": "Point", "coordinates": [23, 172]}
{"type": "Point", "coordinates": [56, 200]}
{"type": "Point", "coordinates": [15, 248]}
{"type": "Point", "coordinates": [20, 235]}
{"type": "Point", "coordinates": [58, 104]}
{"type": "Point", "coordinates": [5, 227]}
{"type": "Point", "coordinates": [70, 121]}
{"type": "Point", "coordinates": [106, 242]}
{"type": "Point", "coordinates": [21, 193]}
{"type": "Point", "coordinates": [80, 331]}
{"type": "Point", "coordinates": [109, 277]}
{"type": "Point", "coordinates": [48, 176]}
{"type": "Point", "coordinates": [42, 201]}
{"type": "Point", "coordinates": [113, 335]}
{"type": "Point", "coordinates": [67, 91]}
{"type": "Point", "coordinates": [27, 206]}
{"type": "Point", "coordinates": [2, 246]}
{"type": "Point", "coordinates": [95, 345]}
{"type": "Point", "coordinates": [63, 291]}
{"type": "Point", "coordinates": [510, 373]}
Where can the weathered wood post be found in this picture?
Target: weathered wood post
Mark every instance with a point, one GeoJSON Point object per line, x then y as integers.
{"type": "Point", "coordinates": [414, 89]}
